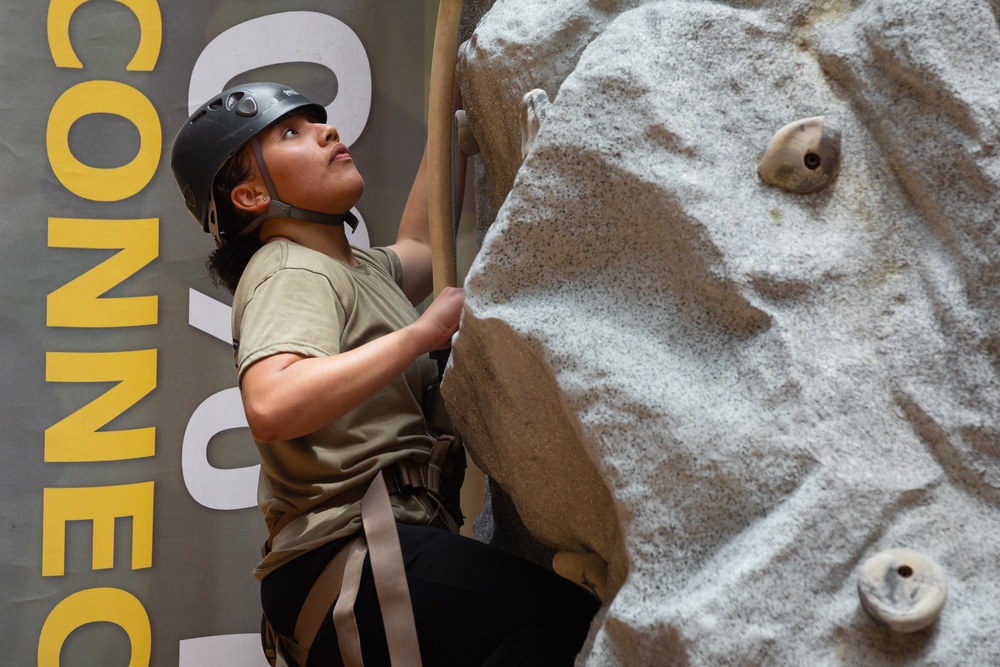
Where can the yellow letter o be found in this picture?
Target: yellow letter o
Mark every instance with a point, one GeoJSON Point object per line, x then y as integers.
{"type": "Point", "coordinates": [96, 183]}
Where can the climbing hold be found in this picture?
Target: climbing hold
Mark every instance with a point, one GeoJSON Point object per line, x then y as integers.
{"type": "Point", "coordinates": [803, 156]}
{"type": "Point", "coordinates": [586, 569]}
{"type": "Point", "coordinates": [534, 107]}
{"type": "Point", "coordinates": [467, 144]}
{"type": "Point", "coordinates": [903, 589]}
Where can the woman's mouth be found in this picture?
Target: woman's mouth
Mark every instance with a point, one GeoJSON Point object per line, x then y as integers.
{"type": "Point", "coordinates": [340, 153]}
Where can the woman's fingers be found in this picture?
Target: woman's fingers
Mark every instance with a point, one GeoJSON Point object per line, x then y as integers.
{"type": "Point", "coordinates": [444, 315]}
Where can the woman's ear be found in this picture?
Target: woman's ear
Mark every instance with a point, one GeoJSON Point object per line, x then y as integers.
{"type": "Point", "coordinates": [250, 196]}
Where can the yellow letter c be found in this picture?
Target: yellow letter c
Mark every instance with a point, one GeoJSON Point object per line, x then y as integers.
{"type": "Point", "coordinates": [91, 606]}
{"type": "Point", "coordinates": [150, 33]}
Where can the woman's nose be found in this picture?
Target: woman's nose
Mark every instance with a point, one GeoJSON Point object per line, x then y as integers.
{"type": "Point", "coordinates": [328, 133]}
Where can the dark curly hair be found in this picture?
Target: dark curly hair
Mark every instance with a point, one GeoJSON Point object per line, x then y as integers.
{"type": "Point", "coordinates": [227, 263]}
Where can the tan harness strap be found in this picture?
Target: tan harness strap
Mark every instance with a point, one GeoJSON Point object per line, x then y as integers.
{"type": "Point", "coordinates": [343, 612]}
{"type": "Point", "coordinates": [342, 576]}
{"type": "Point", "coordinates": [390, 576]}
{"type": "Point", "coordinates": [381, 542]}
{"type": "Point", "coordinates": [316, 606]}
{"type": "Point", "coordinates": [277, 658]}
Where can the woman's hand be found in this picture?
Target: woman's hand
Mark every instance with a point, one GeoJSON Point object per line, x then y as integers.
{"type": "Point", "coordinates": [440, 321]}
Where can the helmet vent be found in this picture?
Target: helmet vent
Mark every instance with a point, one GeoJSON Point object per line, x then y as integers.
{"type": "Point", "coordinates": [233, 99]}
{"type": "Point", "coordinates": [189, 197]}
{"type": "Point", "coordinates": [198, 116]}
{"type": "Point", "coordinates": [247, 107]}
{"type": "Point", "coordinates": [215, 105]}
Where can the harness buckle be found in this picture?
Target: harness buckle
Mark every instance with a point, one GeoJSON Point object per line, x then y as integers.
{"type": "Point", "coordinates": [404, 486]}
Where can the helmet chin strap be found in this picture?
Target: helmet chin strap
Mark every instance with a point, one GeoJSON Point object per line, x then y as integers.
{"type": "Point", "coordinates": [279, 209]}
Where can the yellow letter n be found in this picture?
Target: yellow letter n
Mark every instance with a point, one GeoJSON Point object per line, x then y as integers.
{"type": "Point", "coordinates": [79, 303]}
{"type": "Point", "coordinates": [77, 438]}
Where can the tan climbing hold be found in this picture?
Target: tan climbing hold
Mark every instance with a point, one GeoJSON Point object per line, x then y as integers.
{"type": "Point", "coordinates": [467, 144]}
{"type": "Point", "coordinates": [803, 156]}
{"type": "Point", "coordinates": [586, 569]}
{"type": "Point", "coordinates": [534, 108]}
{"type": "Point", "coordinates": [903, 589]}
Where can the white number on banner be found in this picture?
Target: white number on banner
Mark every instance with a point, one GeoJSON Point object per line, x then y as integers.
{"type": "Point", "coordinates": [319, 39]}
{"type": "Point", "coordinates": [287, 38]}
{"type": "Point", "coordinates": [231, 650]}
{"type": "Point", "coordinates": [280, 38]}
{"type": "Point", "coordinates": [215, 488]}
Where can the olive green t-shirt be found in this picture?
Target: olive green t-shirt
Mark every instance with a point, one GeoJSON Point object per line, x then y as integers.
{"type": "Point", "coordinates": [294, 299]}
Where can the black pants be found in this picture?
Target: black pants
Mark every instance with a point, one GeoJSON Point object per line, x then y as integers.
{"type": "Point", "coordinates": [473, 605]}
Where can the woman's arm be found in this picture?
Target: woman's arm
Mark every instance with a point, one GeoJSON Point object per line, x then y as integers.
{"type": "Point", "coordinates": [413, 241]}
{"type": "Point", "coordinates": [287, 395]}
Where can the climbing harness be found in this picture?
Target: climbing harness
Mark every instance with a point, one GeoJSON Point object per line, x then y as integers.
{"type": "Point", "coordinates": [337, 586]}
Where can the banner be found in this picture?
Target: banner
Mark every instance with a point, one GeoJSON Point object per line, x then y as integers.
{"type": "Point", "coordinates": [128, 477]}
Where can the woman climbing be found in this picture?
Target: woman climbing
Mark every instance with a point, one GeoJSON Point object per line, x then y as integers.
{"type": "Point", "coordinates": [332, 362]}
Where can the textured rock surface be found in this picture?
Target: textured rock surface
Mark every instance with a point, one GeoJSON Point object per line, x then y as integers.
{"type": "Point", "coordinates": [735, 395]}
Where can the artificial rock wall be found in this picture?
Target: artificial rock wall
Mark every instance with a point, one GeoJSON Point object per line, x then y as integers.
{"type": "Point", "coordinates": [734, 394]}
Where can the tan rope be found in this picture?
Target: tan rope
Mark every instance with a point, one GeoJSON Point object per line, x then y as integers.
{"type": "Point", "coordinates": [439, 153]}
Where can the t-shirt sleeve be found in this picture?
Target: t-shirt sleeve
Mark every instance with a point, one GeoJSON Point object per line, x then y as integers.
{"type": "Point", "coordinates": [293, 310]}
{"type": "Point", "coordinates": [388, 261]}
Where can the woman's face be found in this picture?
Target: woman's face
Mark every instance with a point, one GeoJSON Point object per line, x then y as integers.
{"type": "Point", "coordinates": [308, 165]}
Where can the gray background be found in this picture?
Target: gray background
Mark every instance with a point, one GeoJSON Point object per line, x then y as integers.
{"type": "Point", "coordinates": [200, 582]}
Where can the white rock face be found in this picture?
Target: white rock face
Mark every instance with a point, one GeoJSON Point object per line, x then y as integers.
{"type": "Point", "coordinates": [734, 394]}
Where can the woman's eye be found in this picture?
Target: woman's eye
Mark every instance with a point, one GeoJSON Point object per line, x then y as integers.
{"type": "Point", "coordinates": [289, 132]}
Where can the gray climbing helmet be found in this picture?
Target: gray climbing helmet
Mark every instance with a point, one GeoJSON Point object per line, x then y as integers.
{"type": "Point", "coordinates": [222, 126]}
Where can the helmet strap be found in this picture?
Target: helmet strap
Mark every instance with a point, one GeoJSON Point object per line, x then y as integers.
{"type": "Point", "coordinates": [279, 209]}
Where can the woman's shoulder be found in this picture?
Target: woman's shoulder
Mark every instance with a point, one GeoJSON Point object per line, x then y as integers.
{"type": "Point", "coordinates": [286, 259]}
{"type": "Point", "coordinates": [383, 260]}
{"type": "Point", "coordinates": [283, 260]}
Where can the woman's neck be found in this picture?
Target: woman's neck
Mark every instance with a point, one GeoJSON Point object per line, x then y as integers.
{"type": "Point", "coordinates": [330, 240]}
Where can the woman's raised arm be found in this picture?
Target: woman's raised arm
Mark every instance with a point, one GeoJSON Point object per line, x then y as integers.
{"type": "Point", "coordinates": [287, 395]}
{"type": "Point", "coordinates": [413, 242]}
